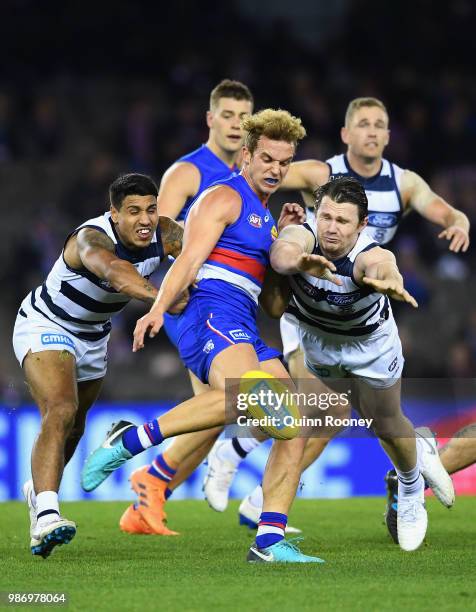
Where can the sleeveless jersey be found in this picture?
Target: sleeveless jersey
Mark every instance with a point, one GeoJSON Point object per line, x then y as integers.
{"type": "Point", "coordinates": [383, 193]}
{"type": "Point", "coordinates": [241, 255]}
{"type": "Point", "coordinates": [348, 310]}
{"type": "Point", "coordinates": [211, 168]}
{"type": "Point", "coordinates": [78, 300]}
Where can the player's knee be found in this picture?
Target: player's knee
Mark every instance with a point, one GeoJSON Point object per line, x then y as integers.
{"type": "Point", "coordinates": [293, 449]}
{"type": "Point", "coordinates": [59, 416]}
{"type": "Point", "coordinates": [384, 431]}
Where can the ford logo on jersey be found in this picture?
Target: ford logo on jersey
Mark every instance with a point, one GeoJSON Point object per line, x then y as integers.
{"type": "Point", "coordinates": [339, 299]}
{"type": "Point", "coordinates": [255, 220]}
{"type": "Point", "coordinates": [380, 219]}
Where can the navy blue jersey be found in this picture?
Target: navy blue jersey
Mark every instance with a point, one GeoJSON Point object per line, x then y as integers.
{"type": "Point", "coordinates": [383, 194]}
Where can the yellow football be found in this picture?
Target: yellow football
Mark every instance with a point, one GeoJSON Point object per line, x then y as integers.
{"type": "Point", "coordinates": [270, 404]}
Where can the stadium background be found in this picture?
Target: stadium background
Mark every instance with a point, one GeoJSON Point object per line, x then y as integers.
{"type": "Point", "coordinates": [107, 88]}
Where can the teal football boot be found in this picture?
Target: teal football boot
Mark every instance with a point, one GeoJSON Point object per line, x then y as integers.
{"type": "Point", "coordinates": [284, 551]}
{"type": "Point", "coordinates": [107, 458]}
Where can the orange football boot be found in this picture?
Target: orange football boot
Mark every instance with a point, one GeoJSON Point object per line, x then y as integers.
{"type": "Point", "coordinates": [151, 493]}
{"type": "Point", "coordinates": [132, 522]}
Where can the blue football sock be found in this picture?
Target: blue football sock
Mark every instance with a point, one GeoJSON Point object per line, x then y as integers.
{"type": "Point", "coordinates": [271, 529]}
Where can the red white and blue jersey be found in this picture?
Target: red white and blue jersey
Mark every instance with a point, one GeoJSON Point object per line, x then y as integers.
{"type": "Point", "coordinates": [241, 255]}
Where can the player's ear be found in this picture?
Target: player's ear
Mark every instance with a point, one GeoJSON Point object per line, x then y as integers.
{"type": "Point", "coordinates": [387, 140]}
{"type": "Point", "coordinates": [114, 213]}
{"type": "Point", "coordinates": [246, 155]}
{"type": "Point", "coordinates": [344, 134]}
{"type": "Point", "coordinates": [209, 119]}
{"type": "Point", "coordinates": [363, 224]}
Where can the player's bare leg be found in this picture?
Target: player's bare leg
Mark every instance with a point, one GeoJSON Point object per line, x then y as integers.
{"type": "Point", "coordinates": [197, 385]}
{"type": "Point", "coordinates": [155, 483]}
{"type": "Point", "coordinates": [88, 392]}
{"type": "Point", "coordinates": [204, 411]}
{"type": "Point", "coordinates": [297, 367]}
{"type": "Point", "coordinates": [51, 377]}
{"type": "Point", "coordinates": [397, 437]}
{"type": "Point", "coordinates": [460, 451]}
{"type": "Point", "coordinates": [189, 456]}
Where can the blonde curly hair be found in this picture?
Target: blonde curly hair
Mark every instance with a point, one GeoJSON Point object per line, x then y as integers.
{"type": "Point", "coordinates": [274, 124]}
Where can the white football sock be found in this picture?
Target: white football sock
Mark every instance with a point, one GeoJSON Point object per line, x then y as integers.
{"type": "Point", "coordinates": [256, 497]}
{"type": "Point", "coordinates": [248, 444]}
{"type": "Point", "coordinates": [226, 452]}
{"type": "Point", "coordinates": [47, 501]}
{"type": "Point", "coordinates": [410, 483]}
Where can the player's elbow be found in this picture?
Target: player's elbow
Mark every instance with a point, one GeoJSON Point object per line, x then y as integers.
{"type": "Point", "coordinates": [117, 275]}
{"type": "Point", "coordinates": [280, 260]}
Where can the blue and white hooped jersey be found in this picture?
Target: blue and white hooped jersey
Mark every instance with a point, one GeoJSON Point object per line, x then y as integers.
{"type": "Point", "coordinates": [78, 300]}
{"type": "Point", "coordinates": [347, 310]}
{"type": "Point", "coordinates": [383, 193]}
{"type": "Point", "coordinates": [241, 255]}
{"type": "Point", "coordinates": [211, 168]}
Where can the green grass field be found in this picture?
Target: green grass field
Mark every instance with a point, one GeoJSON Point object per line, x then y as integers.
{"type": "Point", "coordinates": [205, 568]}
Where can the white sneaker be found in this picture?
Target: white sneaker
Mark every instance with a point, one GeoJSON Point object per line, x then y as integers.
{"type": "Point", "coordinates": [431, 467]}
{"type": "Point", "coordinates": [218, 479]}
{"type": "Point", "coordinates": [412, 519]}
{"type": "Point", "coordinates": [248, 515]}
{"type": "Point", "coordinates": [27, 490]}
{"type": "Point", "coordinates": [53, 533]}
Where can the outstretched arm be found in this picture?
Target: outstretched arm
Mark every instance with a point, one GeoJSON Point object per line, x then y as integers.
{"type": "Point", "coordinates": [214, 210]}
{"type": "Point", "coordinates": [95, 251]}
{"type": "Point", "coordinates": [306, 175]}
{"type": "Point", "coordinates": [292, 253]}
{"type": "Point", "coordinates": [417, 193]}
{"type": "Point", "coordinates": [377, 268]}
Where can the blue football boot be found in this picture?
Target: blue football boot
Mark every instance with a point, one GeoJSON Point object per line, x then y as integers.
{"type": "Point", "coordinates": [284, 551]}
{"type": "Point", "coordinates": [107, 458]}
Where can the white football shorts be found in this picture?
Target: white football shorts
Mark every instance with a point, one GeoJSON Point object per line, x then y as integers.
{"type": "Point", "coordinates": [377, 358]}
{"type": "Point", "coordinates": [289, 335]}
{"type": "Point", "coordinates": [34, 332]}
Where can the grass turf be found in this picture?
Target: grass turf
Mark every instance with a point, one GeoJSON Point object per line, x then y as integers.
{"type": "Point", "coordinates": [204, 568]}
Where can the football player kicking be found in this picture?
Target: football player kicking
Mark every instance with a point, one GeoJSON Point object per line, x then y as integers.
{"type": "Point", "coordinates": [227, 238]}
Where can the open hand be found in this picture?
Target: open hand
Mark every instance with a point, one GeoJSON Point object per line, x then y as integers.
{"type": "Point", "coordinates": [458, 237]}
{"type": "Point", "coordinates": [291, 214]}
{"type": "Point", "coordinates": [392, 288]}
{"type": "Point", "coordinates": [153, 320]}
{"type": "Point", "coordinates": [318, 266]}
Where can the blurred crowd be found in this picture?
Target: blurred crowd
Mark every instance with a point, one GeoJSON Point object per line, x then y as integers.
{"type": "Point", "coordinates": [102, 94]}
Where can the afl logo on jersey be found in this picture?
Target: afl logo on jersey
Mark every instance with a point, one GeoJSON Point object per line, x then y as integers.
{"type": "Point", "coordinates": [274, 232]}
{"type": "Point", "coordinates": [255, 220]}
{"type": "Point", "coordinates": [380, 219]}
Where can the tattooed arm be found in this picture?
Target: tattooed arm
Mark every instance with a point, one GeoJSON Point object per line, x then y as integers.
{"type": "Point", "coordinates": [172, 235]}
{"type": "Point", "coordinates": [95, 251]}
